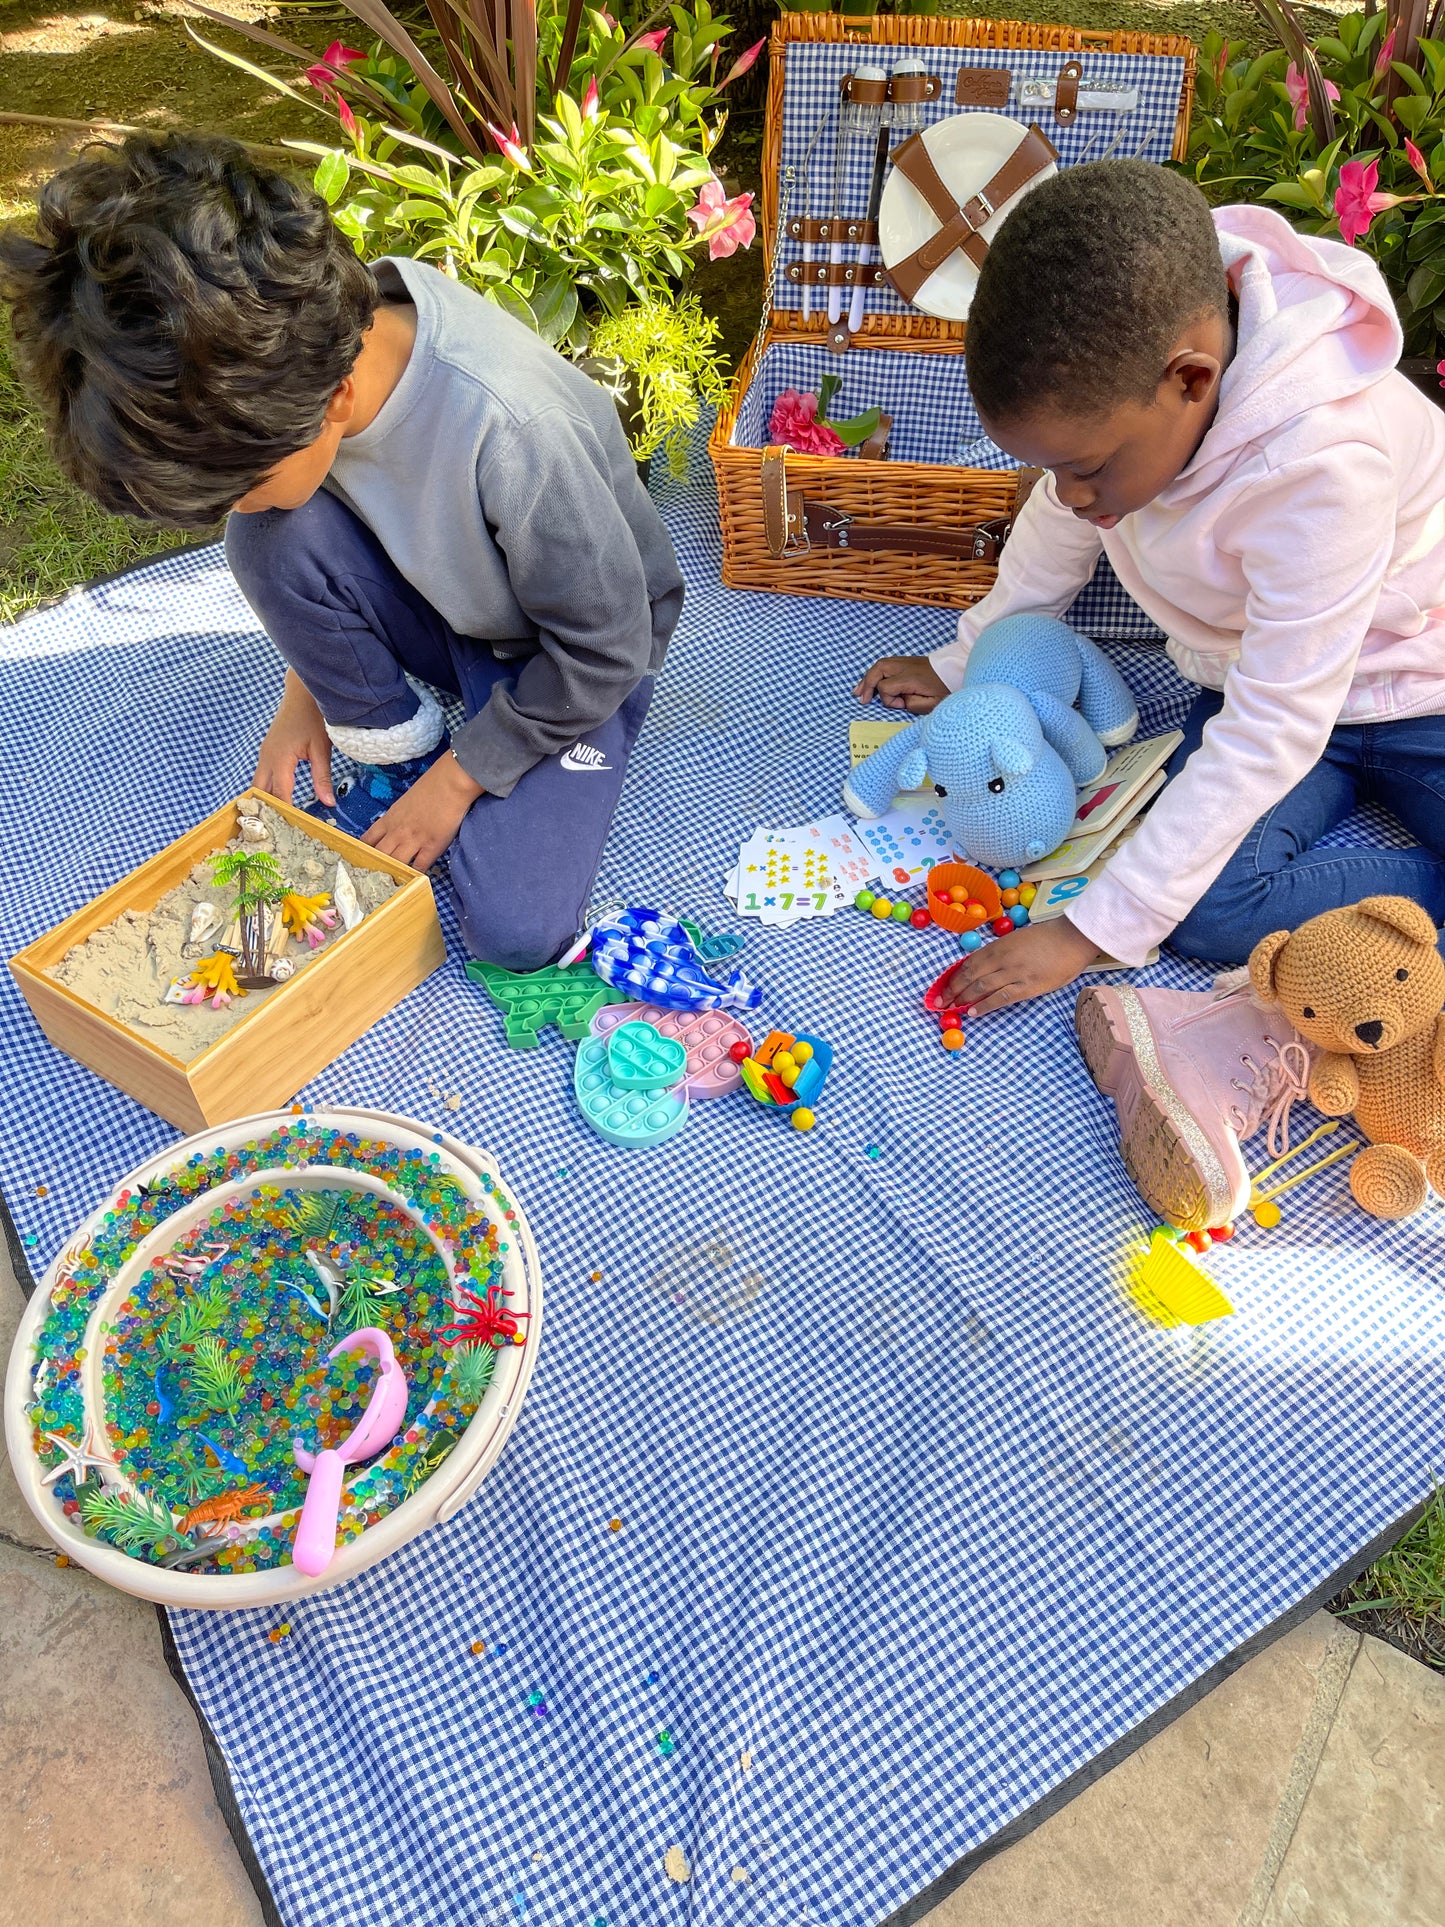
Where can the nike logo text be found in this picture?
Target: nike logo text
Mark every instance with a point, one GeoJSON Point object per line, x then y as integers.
{"type": "Point", "coordinates": [584, 756]}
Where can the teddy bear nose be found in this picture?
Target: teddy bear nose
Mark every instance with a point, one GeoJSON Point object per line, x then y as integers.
{"type": "Point", "coordinates": [1370, 1033]}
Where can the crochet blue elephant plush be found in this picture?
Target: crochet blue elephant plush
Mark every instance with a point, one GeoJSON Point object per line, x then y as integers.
{"type": "Point", "coordinates": [1008, 751]}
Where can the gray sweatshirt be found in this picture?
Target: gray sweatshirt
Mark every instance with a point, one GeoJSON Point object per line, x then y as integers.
{"type": "Point", "coordinates": [499, 481]}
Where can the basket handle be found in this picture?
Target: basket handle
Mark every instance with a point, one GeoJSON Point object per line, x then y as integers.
{"type": "Point", "coordinates": [961, 228]}
{"type": "Point", "coordinates": [795, 525]}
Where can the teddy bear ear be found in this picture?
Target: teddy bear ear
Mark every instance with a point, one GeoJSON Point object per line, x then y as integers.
{"type": "Point", "coordinates": [1402, 914]}
{"type": "Point", "coordinates": [1261, 965]}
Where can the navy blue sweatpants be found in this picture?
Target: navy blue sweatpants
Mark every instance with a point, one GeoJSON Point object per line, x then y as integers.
{"type": "Point", "coordinates": [353, 628]}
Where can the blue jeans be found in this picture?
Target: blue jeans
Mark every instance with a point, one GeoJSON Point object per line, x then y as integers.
{"type": "Point", "coordinates": [1277, 879]}
{"type": "Point", "coordinates": [352, 627]}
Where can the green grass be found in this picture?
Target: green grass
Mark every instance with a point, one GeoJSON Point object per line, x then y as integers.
{"type": "Point", "coordinates": [51, 536]}
{"type": "Point", "coordinates": [1402, 1596]}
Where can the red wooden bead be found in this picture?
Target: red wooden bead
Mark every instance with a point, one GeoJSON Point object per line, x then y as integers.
{"type": "Point", "coordinates": [740, 1050]}
{"type": "Point", "coordinates": [1002, 925]}
{"type": "Point", "coordinates": [1200, 1240]}
{"type": "Point", "coordinates": [920, 920]}
{"type": "Point", "coordinates": [1221, 1234]}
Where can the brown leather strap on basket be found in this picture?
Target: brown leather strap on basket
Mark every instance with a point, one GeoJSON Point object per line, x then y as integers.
{"type": "Point", "coordinates": [906, 89]}
{"type": "Point", "coordinates": [1066, 92]}
{"type": "Point", "coordinates": [797, 228]}
{"type": "Point", "coordinates": [835, 274]}
{"type": "Point", "coordinates": [875, 448]}
{"type": "Point", "coordinates": [960, 227]}
{"type": "Point", "coordinates": [863, 93]}
{"type": "Point", "coordinates": [794, 525]}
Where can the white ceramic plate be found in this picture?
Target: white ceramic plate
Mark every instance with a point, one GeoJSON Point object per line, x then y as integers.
{"type": "Point", "coordinates": [968, 150]}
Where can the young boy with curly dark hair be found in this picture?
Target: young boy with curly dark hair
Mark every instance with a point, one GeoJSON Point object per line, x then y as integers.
{"type": "Point", "coordinates": [421, 496]}
{"type": "Point", "coordinates": [1216, 404]}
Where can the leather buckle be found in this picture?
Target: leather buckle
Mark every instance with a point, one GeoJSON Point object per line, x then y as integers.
{"type": "Point", "coordinates": [796, 540]}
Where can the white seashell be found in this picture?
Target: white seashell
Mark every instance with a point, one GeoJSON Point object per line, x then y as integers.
{"type": "Point", "coordinates": [343, 895]}
{"type": "Point", "coordinates": [205, 919]}
{"type": "Point", "coordinates": [282, 968]}
{"type": "Point", "coordinates": [253, 830]}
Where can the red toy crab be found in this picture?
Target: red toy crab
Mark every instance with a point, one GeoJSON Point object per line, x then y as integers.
{"type": "Point", "coordinates": [483, 1320]}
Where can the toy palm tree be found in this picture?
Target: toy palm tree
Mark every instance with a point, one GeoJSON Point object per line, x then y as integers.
{"type": "Point", "coordinates": [256, 877]}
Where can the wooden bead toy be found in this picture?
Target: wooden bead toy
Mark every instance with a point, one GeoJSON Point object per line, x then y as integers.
{"type": "Point", "coordinates": [1001, 926]}
{"type": "Point", "coordinates": [920, 920]}
{"type": "Point", "coordinates": [880, 907]}
{"type": "Point", "coordinates": [952, 1038]}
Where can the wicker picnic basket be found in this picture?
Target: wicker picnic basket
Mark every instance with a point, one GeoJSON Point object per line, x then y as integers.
{"type": "Point", "coordinates": [881, 530]}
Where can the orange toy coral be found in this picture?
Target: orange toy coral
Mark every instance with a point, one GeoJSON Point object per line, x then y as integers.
{"type": "Point", "coordinates": [1364, 987]}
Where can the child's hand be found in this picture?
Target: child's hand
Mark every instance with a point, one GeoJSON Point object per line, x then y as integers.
{"type": "Point", "coordinates": [298, 735]}
{"type": "Point", "coordinates": [903, 682]}
{"type": "Point", "coordinates": [424, 820]}
{"type": "Point", "coordinates": [1028, 962]}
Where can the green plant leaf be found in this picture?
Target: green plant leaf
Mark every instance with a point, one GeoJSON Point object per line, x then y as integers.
{"type": "Point", "coordinates": [1291, 194]}
{"type": "Point", "coordinates": [331, 177]}
{"type": "Point", "coordinates": [506, 297]}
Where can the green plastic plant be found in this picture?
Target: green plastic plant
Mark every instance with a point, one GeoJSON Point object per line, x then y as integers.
{"type": "Point", "coordinates": [315, 1213]}
{"type": "Point", "coordinates": [562, 180]}
{"type": "Point", "coordinates": [198, 1480]}
{"type": "Point", "coordinates": [135, 1524]}
{"type": "Point", "coordinates": [470, 1369]}
{"type": "Point", "coordinates": [1344, 139]}
{"type": "Point", "coordinates": [216, 1378]}
{"type": "Point", "coordinates": [362, 1304]}
{"type": "Point", "coordinates": [202, 1312]}
{"type": "Point", "coordinates": [256, 878]}
{"type": "Point", "coordinates": [665, 355]}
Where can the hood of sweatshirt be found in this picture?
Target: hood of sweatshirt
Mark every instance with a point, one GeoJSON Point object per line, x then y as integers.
{"type": "Point", "coordinates": [1316, 325]}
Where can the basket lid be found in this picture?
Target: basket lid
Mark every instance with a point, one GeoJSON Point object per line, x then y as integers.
{"type": "Point", "coordinates": [1134, 92]}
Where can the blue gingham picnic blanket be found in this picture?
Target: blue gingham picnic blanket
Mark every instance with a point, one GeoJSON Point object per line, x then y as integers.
{"type": "Point", "coordinates": [916, 1517]}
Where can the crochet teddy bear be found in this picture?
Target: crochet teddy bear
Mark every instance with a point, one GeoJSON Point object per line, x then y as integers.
{"type": "Point", "coordinates": [1008, 751]}
{"type": "Point", "coordinates": [1364, 986]}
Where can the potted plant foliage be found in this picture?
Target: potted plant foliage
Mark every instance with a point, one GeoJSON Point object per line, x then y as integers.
{"type": "Point", "coordinates": [564, 172]}
{"type": "Point", "coordinates": [1344, 134]}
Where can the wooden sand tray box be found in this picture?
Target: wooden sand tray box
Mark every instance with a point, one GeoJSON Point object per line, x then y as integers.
{"type": "Point", "coordinates": [295, 1030]}
{"type": "Point", "coordinates": [920, 519]}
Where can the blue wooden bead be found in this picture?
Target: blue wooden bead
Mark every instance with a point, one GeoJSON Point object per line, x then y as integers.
{"type": "Point", "coordinates": [970, 940]}
{"type": "Point", "coordinates": [1008, 879]}
{"type": "Point", "coordinates": [1020, 914]}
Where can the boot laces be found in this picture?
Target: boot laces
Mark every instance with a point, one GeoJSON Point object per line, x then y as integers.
{"type": "Point", "coordinates": [1273, 1090]}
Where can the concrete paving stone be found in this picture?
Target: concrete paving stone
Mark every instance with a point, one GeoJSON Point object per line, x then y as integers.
{"type": "Point", "coordinates": [1368, 1849]}
{"type": "Point", "coordinates": [1175, 1834]}
{"type": "Point", "coordinates": [107, 1818]}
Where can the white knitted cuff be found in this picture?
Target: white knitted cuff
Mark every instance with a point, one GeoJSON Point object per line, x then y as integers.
{"type": "Point", "coordinates": [400, 743]}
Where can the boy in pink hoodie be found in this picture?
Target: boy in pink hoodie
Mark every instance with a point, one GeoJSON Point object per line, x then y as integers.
{"type": "Point", "coordinates": [1216, 405]}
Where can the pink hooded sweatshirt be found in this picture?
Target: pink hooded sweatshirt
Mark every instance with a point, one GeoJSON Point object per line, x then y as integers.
{"type": "Point", "coordinates": [1297, 564]}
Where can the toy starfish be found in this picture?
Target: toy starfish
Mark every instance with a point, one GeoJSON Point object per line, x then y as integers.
{"type": "Point", "coordinates": [214, 978]}
{"type": "Point", "coordinates": [307, 917]}
{"type": "Point", "coordinates": [79, 1460]}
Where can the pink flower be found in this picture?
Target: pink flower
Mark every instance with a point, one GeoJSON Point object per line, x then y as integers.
{"type": "Point", "coordinates": [794, 424]}
{"type": "Point", "coordinates": [1298, 89]}
{"type": "Point", "coordinates": [1440, 371]}
{"type": "Point", "coordinates": [1417, 161]}
{"type": "Point", "coordinates": [1221, 62]}
{"type": "Point", "coordinates": [653, 42]}
{"type": "Point", "coordinates": [1387, 52]}
{"type": "Point", "coordinates": [741, 65]}
{"type": "Point", "coordinates": [345, 116]}
{"type": "Point", "coordinates": [1356, 202]}
{"type": "Point", "coordinates": [511, 145]}
{"type": "Point", "coordinates": [323, 75]}
{"type": "Point", "coordinates": [591, 101]}
{"type": "Point", "coordinates": [725, 225]}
